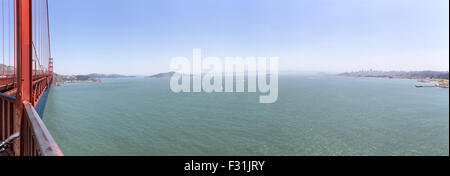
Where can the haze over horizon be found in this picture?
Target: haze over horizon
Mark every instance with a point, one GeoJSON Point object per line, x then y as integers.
{"type": "Point", "coordinates": [139, 37]}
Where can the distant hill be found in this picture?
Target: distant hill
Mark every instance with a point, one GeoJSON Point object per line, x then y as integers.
{"type": "Point", "coordinates": [400, 74]}
{"type": "Point", "coordinates": [6, 69]}
{"type": "Point", "coordinates": [61, 79]}
{"type": "Point", "coordinates": [162, 75]}
{"type": "Point", "coordinates": [98, 75]}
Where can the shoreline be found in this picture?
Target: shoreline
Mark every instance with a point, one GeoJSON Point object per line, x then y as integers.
{"type": "Point", "coordinates": [440, 83]}
{"type": "Point", "coordinates": [76, 81]}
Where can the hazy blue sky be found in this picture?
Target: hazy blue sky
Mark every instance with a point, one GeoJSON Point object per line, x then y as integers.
{"type": "Point", "coordinates": [141, 36]}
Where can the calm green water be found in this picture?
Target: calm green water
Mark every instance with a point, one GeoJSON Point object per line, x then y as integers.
{"type": "Point", "coordinates": [314, 115]}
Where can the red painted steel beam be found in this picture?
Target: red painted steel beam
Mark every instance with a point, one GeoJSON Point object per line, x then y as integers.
{"type": "Point", "coordinates": [24, 49]}
{"type": "Point", "coordinates": [24, 55]}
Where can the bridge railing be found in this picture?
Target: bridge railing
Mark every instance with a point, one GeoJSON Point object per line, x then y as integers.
{"type": "Point", "coordinates": [35, 139]}
{"type": "Point", "coordinates": [7, 104]}
{"type": "Point", "coordinates": [39, 87]}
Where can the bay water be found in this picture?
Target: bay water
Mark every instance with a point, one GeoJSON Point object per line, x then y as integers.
{"type": "Point", "coordinates": [314, 115]}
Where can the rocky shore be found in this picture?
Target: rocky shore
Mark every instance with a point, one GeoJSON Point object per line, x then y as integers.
{"type": "Point", "coordinates": [442, 83]}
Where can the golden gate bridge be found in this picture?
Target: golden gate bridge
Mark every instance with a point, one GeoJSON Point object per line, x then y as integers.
{"type": "Point", "coordinates": [26, 75]}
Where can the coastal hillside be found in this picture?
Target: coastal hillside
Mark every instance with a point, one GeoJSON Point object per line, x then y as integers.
{"type": "Point", "coordinates": [6, 69]}
{"type": "Point", "coordinates": [61, 79]}
{"type": "Point", "coordinates": [98, 75]}
{"type": "Point", "coordinates": [400, 74]}
{"type": "Point", "coordinates": [162, 75]}
{"type": "Point", "coordinates": [439, 78]}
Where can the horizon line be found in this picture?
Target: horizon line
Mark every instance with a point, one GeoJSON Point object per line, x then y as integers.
{"type": "Point", "coordinates": [282, 71]}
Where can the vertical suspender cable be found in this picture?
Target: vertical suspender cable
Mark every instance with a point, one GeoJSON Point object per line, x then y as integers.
{"type": "Point", "coordinates": [3, 38]}
{"type": "Point", "coordinates": [35, 31]}
{"type": "Point", "coordinates": [14, 32]}
{"type": "Point", "coordinates": [40, 31]}
{"type": "Point", "coordinates": [48, 34]}
{"type": "Point", "coordinates": [9, 37]}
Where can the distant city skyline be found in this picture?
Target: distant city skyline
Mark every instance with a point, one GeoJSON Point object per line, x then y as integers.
{"type": "Point", "coordinates": [140, 37]}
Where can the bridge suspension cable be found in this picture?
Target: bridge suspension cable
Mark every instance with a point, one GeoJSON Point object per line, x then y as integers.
{"type": "Point", "coordinates": [41, 59]}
